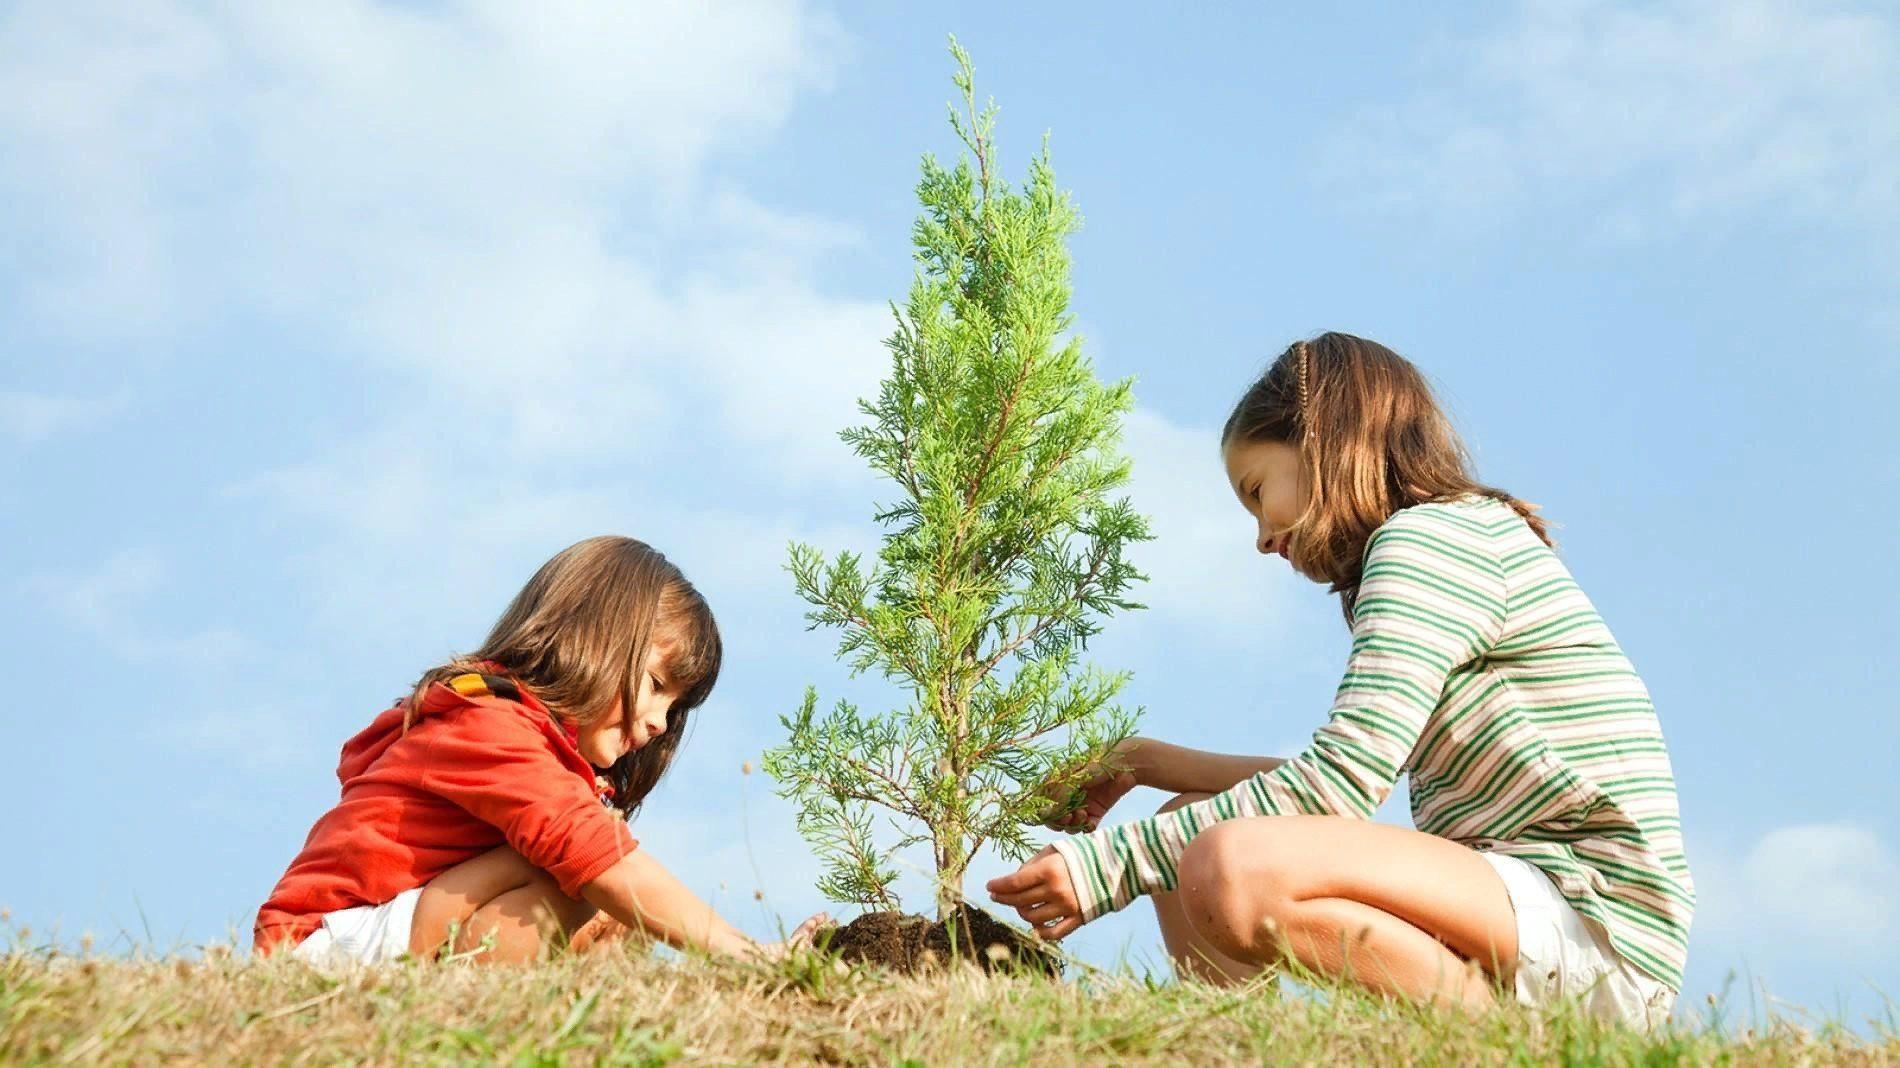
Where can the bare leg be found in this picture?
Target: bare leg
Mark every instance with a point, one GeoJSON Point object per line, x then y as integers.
{"type": "Point", "coordinates": [497, 895]}
{"type": "Point", "coordinates": [1193, 955]}
{"type": "Point", "coordinates": [1394, 910]}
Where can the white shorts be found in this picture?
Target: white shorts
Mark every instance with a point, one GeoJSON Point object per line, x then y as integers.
{"type": "Point", "coordinates": [365, 935]}
{"type": "Point", "coordinates": [1563, 957]}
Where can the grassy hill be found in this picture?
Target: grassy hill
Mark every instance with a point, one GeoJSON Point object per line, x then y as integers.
{"type": "Point", "coordinates": [640, 1010]}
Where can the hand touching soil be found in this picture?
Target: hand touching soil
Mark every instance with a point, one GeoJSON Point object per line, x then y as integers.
{"type": "Point", "coordinates": [799, 939]}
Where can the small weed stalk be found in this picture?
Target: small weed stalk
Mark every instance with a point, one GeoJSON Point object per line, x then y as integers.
{"type": "Point", "coordinates": [1003, 548]}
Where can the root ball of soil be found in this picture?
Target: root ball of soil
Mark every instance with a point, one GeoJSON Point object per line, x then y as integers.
{"type": "Point", "coordinates": [911, 944]}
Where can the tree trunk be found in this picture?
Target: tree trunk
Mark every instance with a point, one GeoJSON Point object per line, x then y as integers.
{"type": "Point", "coordinates": [949, 837]}
{"type": "Point", "coordinates": [950, 865]}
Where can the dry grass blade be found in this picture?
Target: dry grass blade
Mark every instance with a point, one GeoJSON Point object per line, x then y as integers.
{"type": "Point", "coordinates": [105, 1035]}
{"type": "Point", "coordinates": [307, 1003]}
{"type": "Point", "coordinates": [646, 1011]}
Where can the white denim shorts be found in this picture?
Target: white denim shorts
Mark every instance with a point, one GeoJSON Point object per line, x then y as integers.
{"type": "Point", "coordinates": [365, 935]}
{"type": "Point", "coordinates": [1563, 957]}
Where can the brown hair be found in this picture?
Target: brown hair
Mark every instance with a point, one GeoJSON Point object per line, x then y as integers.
{"type": "Point", "coordinates": [578, 634]}
{"type": "Point", "coordinates": [1372, 441]}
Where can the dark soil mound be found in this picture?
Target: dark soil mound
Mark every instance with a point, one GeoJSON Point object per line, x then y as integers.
{"type": "Point", "coordinates": [913, 943]}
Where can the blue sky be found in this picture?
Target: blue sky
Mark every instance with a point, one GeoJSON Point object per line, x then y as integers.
{"type": "Point", "coordinates": [319, 331]}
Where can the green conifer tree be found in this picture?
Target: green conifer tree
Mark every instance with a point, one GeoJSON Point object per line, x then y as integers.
{"type": "Point", "coordinates": [1003, 549]}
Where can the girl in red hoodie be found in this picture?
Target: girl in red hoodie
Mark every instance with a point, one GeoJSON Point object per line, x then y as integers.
{"type": "Point", "coordinates": [486, 812]}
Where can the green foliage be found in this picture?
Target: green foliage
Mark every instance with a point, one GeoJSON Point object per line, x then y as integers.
{"type": "Point", "coordinates": [1003, 548]}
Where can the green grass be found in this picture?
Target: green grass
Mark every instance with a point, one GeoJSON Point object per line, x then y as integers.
{"type": "Point", "coordinates": [637, 1009]}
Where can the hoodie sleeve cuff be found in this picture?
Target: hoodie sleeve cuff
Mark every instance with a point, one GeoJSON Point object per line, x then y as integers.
{"type": "Point", "coordinates": [576, 873]}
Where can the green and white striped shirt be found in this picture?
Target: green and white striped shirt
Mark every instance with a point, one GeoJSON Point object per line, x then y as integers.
{"type": "Point", "coordinates": [1479, 668]}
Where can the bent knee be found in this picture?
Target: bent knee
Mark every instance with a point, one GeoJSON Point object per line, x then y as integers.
{"type": "Point", "coordinates": [1181, 801]}
{"type": "Point", "coordinates": [1211, 863]}
{"type": "Point", "coordinates": [1234, 892]}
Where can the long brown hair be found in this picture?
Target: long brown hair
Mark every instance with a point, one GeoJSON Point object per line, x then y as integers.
{"type": "Point", "coordinates": [1372, 441]}
{"type": "Point", "coordinates": [578, 634]}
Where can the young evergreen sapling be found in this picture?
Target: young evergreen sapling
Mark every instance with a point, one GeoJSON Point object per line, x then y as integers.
{"type": "Point", "coordinates": [1004, 548]}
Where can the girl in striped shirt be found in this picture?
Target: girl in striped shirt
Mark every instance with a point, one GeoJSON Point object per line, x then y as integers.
{"type": "Point", "coordinates": [1548, 858]}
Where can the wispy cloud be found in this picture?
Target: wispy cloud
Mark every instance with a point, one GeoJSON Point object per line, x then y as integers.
{"type": "Point", "coordinates": [111, 602]}
{"type": "Point", "coordinates": [1205, 576]}
{"type": "Point", "coordinates": [516, 230]}
{"type": "Point", "coordinates": [1807, 890]}
{"type": "Point", "coordinates": [510, 207]}
{"type": "Point", "coordinates": [257, 736]}
{"type": "Point", "coordinates": [509, 228]}
{"type": "Point", "coordinates": [33, 417]}
{"type": "Point", "coordinates": [1645, 119]}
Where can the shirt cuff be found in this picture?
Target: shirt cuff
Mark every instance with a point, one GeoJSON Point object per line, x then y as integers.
{"type": "Point", "coordinates": [1108, 871]}
{"type": "Point", "coordinates": [575, 874]}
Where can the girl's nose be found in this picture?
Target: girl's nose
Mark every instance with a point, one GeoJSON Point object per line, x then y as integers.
{"type": "Point", "coordinates": [1264, 540]}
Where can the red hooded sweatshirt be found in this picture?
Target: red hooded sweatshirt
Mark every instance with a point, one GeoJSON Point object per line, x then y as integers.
{"type": "Point", "coordinates": [473, 772]}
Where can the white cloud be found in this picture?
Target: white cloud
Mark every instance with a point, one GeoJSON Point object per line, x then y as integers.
{"type": "Point", "coordinates": [509, 209]}
{"type": "Point", "coordinates": [406, 534]}
{"type": "Point", "coordinates": [108, 600]}
{"type": "Point", "coordinates": [787, 369]}
{"type": "Point", "coordinates": [505, 228]}
{"type": "Point", "coordinates": [512, 227]}
{"type": "Point", "coordinates": [1806, 890]}
{"type": "Point", "coordinates": [95, 599]}
{"type": "Point", "coordinates": [1204, 572]}
{"type": "Point", "coordinates": [258, 735]}
{"type": "Point", "coordinates": [33, 417]}
{"type": "Point", "coordinates": [1647, 118]}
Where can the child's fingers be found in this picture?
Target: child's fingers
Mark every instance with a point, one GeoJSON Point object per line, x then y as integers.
{"type": "Point", "coordinates": [1059, 930]}
{"type": "Point", "coordinates": [1035, 895]}
{"type": "Point", "coordinates": [1022, 879]}
{"type": "Point", "coordinates": [1064, 821]}
{"type": "Point", "coordinates": [1039, 914]}
{"type": "Point", "coordinates": [1030, 884]}
{"type": "Point", "coordinates": [809, 929]}
{"type": "Point", "coordinates": [1063, 809]}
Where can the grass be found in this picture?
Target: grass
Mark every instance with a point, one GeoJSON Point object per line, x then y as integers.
{"type": "Point", "coordinates": [636, 1009]}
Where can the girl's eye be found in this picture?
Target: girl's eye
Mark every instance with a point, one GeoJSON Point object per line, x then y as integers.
{"type": "Point", "coordinates": [655, 681]}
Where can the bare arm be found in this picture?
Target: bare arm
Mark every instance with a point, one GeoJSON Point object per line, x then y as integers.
{"type": "Point", "coordinates": [1178, 769]}
{"type": "Point", "coordinates": [1146, 762]}
{"type": "Point", "coordinates": [643, 895]}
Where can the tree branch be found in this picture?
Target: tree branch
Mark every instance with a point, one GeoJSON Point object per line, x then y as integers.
{"type": "Point", "coordinates": [1046, 621]}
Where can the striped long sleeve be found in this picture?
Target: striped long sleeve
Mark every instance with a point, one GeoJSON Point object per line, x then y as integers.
{"type": "Point", "coordinates": [1431, 599]}
{"type": "Point", "coordinates": [1479, 669]}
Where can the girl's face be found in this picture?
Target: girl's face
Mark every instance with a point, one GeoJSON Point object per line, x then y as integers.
{"type": "Point", "coordinates": [618, 733]}
{"type": "Point", "coordinates": [1265, 476]}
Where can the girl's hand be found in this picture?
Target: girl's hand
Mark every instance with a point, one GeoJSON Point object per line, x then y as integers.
{"type": "Point", "coordinates": [799, 939]}
{"type": "Point", "coordinates": [1041, 893]}
{"type": "Point", "coordinates": [1089, 800]}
